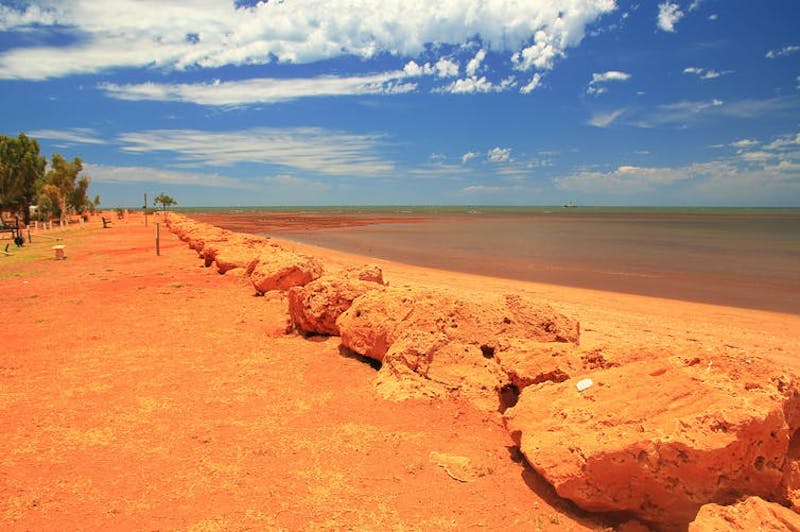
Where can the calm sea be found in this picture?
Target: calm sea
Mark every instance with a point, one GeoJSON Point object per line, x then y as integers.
{"type": "Point", "coordinates": [740, 257]}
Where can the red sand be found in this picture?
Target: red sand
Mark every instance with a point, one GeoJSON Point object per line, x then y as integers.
{"type": "Point", "coordinates": [148, 392]}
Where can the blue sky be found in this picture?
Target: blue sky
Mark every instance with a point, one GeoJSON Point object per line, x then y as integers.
{"type": "Point", "coordinates": [331, 102]}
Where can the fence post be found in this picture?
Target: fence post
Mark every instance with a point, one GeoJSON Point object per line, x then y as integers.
{"type": "Point", "coordinates": [158, 240]}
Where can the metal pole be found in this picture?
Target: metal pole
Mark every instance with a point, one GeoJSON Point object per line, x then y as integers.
{"type": "Point", "coordinates": [158, 240]}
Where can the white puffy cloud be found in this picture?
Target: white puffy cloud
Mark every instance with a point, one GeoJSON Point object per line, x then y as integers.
{"type": "Point", "coordinates": [763, 176]}
{"type": "Point", "coordinates": [533, 84]}
{"type": "Point", "coordinates": [668, 15]}
{"type": "Point", "coordinates": [467, 157]}
{"type": "Point", "coordinates": [781, 52]}
{"type": "Point", "coordinates": [597, 87]}
{"type": "Point", "coordinates": [745, 143]}
{"type": "Point", "coordinates": [177, 35]}
{"type": "Point", "coordinates": [445, 68]}
{"type": "Point", "coordinates": [469, 86]}
{"type": "Point", "coordinates": [499, 155]}
{"type": "Point", "coordinates": [475, 63]}
{"type": "Point", "coordinates": [307, 149]}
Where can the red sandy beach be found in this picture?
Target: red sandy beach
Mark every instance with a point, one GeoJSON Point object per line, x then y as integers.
{"type": "Point", "coordinates": [142, 391]}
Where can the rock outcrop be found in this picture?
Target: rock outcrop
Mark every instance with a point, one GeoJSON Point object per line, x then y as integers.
{"type": "Point", "coordinates": [661, 437]}
{"type": "Point", "coordinates": [434, 343]}
{"type": "Point", "coordinates": [315, 307]}
{"type": "Point", "coordinates": [754, 513]}
{"type": "Point", "coordinates": [280, 270]}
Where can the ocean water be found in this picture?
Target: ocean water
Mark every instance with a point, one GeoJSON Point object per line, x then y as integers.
{"type": "Point", "coordinates": [740, 257]}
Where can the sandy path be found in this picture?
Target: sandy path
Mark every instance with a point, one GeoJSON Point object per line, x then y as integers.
{"type": "Point", "coordinates": [148, 392]}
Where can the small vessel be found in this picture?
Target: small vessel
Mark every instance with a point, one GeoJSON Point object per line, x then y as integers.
{"type": "Point", "coordinates": [570, 205]}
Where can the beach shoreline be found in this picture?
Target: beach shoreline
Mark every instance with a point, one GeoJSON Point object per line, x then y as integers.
{"type": "Point", "coordinates": [729, 257]}
{"type": "Point", "coordinates": [148, 391]}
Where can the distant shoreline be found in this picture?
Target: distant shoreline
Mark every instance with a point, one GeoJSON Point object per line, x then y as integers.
{"type": "Point", "coordinates": [735, 257]}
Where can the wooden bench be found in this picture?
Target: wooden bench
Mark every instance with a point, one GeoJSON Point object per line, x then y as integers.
{"type": "Point", "coordinates": [16, 232]}
{"type": "Point", "coordinates": [106, 222]}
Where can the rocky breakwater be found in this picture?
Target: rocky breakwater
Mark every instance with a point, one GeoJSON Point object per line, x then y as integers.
{"type": "Point", "coordinates": [436, 343]}
{"type": "Point", "coordinates": [659, 438]}
{"type": "Point", "coordinates": [268, 265]}
{"type": "Point", "coordinates": [667, 435]}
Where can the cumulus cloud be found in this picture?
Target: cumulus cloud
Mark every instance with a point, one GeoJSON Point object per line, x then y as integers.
{"type": "Point", "coordinates": [475, 63]}
{"type": "Point", "coordinates": [467, 157]}
{"type": "Point", "coordinates": [308, 149]}
{"type": "Point", "coordinates": [760, 176]}
{"type": "Point", "coordinates": [445, 68]}
{"type": "Point", "coordinates": [668, 15]}
{"type": "Point", "coordinates": [745, 143]}
{"type": "Point", "coordinates": [596, 86]}
{"type": "Point", "coordinates": [533, 84]}
{"type": "Point", "coordinates": [470, 86]}
{"type": "Point", "coordinates": [781, 52]}
{"type": "Point", "coordinates": [499, 155]}
{"type": "Point", "coordinates": [176, 35]}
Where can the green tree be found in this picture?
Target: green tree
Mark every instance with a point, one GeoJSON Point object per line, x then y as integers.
{"type": "Point", "coordinates": [164, 200]}
{"type": "Point", "coordinates": [21, 169]}
{"type": "Point", "coordinates": [62, 190]}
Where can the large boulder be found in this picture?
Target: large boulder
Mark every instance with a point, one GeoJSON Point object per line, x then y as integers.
{"type": "Point", "coordinates": [239, 251]}
{"type": "Point", "coordinates": [315, 307]}
{"type": "Point", "coordinates": [753, 513]}
{"type": "Point", "coordinates": [661, 437]}
{"type": "Point", "coordinates": [279, 269]}
{"type": "Point", "coordinates": [375, 320]}
{"type": "Point", "coordinates": [434, 342]}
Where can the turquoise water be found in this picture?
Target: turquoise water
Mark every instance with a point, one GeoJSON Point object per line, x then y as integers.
{"type": "Point", "coordinates": [732, 256]}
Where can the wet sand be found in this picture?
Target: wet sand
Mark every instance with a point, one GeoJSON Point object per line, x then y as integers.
{"type": "Point", "coordinates": [734, 258]}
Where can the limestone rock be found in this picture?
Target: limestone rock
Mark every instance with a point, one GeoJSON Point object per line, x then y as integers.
{"type": "Point", "coordinates": [432, 342]}
{"type": "Point", "coordinates": [315, 306]}
{"type": "Point", "coordinates": [281, 270]}
{"type": "Point", "coordinates": [660, 438]}
{"type": "Point", "coordinates": [754, 513]}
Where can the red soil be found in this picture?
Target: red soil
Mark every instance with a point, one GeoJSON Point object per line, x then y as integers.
{"type": "Point", "coordinates": [143, 391]}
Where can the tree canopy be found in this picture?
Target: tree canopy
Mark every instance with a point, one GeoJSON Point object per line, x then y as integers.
{"type": "Point", "coordinates": [21, 170]}
{"type": "Point", "coordinates": [164, 200]}
{"type": "Point", "coordinates": [63, 191]}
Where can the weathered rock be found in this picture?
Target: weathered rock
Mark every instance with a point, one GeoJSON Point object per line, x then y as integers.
{"type": "Point", "coordinates": [754, 513]}
{"type": "Point", "coordinates": [241, 251]}
{"type": "Point", "coordinates": [432, 342]}
{"type": "Point", "coordinates": [424, 364]}
{"type": "Point", "coordinates": [660, 438]}
{"type": "Point", "coordinates": [374, 321]}
{"type": "Point", "coordinates": [315, 307]}
{"type": "Point", "coordinates": [281, 270]}
{"type": "Point", "coordinates": [214, 234]}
